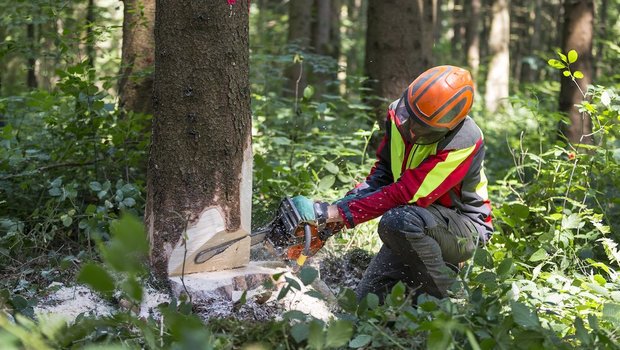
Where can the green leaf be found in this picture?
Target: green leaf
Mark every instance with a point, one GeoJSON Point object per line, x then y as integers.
{"type": "Point", "coordinates": [372, 300]}
{"type": "Point", "coordinates": [572, 56]}
{"type": "Point", "coordinates": [360, 341]}
{"type": "Point", "coordinates": [128, 248]}
{"type": "Point", "coordinates": [57, 182]}
{"type": "Point", "coordinates": [55, 192]}
{"type": "Point", "coordinates": [578, 74]}
{"type": "Point", "coordinates": [397, 296]}
{"type": "Point", "coordinates": [605, 98]}
{"type": "Point", "coordinates": [505, 267]}
{"type": "Point", "coordinates": [327, 182]}
{"type": "Point", "coordinates": [97, 278]}
{"type": "Point", "coordinates": [572, 221]}
{"type": "Point", "coordinates": [539, 255]}
{"type": "Point", "coordinates": [307, 275]}
{"type": "Point", "coordinates": [562, 56]}
{"type": "Point", "coordinates": [300, 332]}
{"type": "Point", "coordinates": [294, 315]}
{"type": "Point", "coordinates": [581, 332]}
{"type": "Point", "coordinates": [611, 313]}
{"type": "Point", "coordinates": [129, 202]}
{"type": "Point", "coordinates": [348, 301]}
{"type": "Point", "coordinates": [566, 73]}
{"type": "Point", "coordinates": [308, 92]}
{"type": "Point", "coordinates": [316, 339]}
{"type": "Point", "coordinates": [293, 283]}
{"type": "Point", "coordinates": [133, 289]}
{"type": "Point", "coordinates": [66, 220]}
{"type": "Point", "coordinates": [95, 186]}
{"type": "Point", "coordinates": [332, 168]}
{"type": "Point", "coordinates": [556, 64]}
{"type": "Point", "coordinates": [523, 316]}
{"type": "Point", "coordinates": [483, 258]}
{"type": "Point", "coordinates": [339, 333]}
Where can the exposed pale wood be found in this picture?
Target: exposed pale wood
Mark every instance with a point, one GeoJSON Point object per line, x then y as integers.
{"type": "Point", "coordinates": [210, 232]}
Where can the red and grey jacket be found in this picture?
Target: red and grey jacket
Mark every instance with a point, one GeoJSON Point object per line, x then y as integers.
{"type": "Point", "coordinates": [449, 173]}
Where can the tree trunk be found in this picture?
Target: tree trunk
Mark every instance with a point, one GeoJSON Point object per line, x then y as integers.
{"type": "Point", "coordinates": [529, 74]}
{"type": "Point", "coordinates": [437, 17]}
{"type": "Point", "coordinates": [299, 35]}
{"type": "Point", "coordinates": [497, 86]}
{"type": "Point", "coordinates": [32, 61]}
{"type": "Point", "coordinates": [457, 30]}
{"type": "Point", "coordinates": [399, 43]}
{"type": "Point", "coordinates": [519, 41]}
{"type": "Point", "coordinates": [472, 39]}
{"type": "Point", "coordinates": [200, 165]}
{"type": "Point", "coordinates": [135, 86]}
{"type": "Point", "coordinates": [600, 48]}
{"type": "Point", "coordinates": [355, 35]}
{"type": "Point", "coordinates": [90, 37]}
{"type": "Point", "coordinates": [578, 33]}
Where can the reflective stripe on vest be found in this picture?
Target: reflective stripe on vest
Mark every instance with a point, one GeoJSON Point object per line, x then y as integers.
{"type": "Point", "coordinates": [397, 152]}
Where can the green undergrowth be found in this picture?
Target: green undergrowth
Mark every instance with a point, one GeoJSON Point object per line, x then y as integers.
{"type": "Point", "coordinates": [547, 279]}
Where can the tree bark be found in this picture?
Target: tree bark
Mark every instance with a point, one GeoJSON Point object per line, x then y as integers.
{"type": "Point", "coordinates": [458, 21]}
{"type": "Point", "coordinates": [578, 33]}
{"type": "Point", "coordinates": [31, 79]}
{"type": "Point", "coordinates": [472, 39]}
{"type": "Point", "coordinates": [355, 34]}
{"type": "Point", "coordinates": [529, 74]}
{"type": "Point", "coordinates": [497, 83]}
{"type": "Point", "coordinates": [135, 86]}
{"type": "Point", "coordinates": [200, 164]}
{"type": "Point", "coordinates": [399, 42]}
{"type": "Point", "coordinates": [90, 39]}
{"type": "Point", "coordinates": [600, 48]}
{"type": "Point", "coordinates": [299, 36]}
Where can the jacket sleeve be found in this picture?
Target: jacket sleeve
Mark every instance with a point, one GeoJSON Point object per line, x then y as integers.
{"type": "Point", "coordinates": [421, 186]}
{"type": "Point", "coordinates": [381, 173]}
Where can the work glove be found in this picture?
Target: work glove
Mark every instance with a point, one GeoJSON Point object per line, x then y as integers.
{"type": "Point", "coordinates": [313, 213]}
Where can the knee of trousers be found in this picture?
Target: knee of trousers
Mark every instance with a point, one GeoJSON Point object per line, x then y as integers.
{"type": "Point", "coordinates": [404, 222]}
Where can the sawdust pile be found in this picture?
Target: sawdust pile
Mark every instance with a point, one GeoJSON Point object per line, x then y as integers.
{"type": "Point", "coordinates": [68, 301]}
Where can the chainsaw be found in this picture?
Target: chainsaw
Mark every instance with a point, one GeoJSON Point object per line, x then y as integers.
{"type": "Point", "coordinates": [288, 238]}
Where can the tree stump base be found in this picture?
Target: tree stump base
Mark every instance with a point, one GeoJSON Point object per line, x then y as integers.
{"type": "Point", "coordinates": [227, 284]}
{"type": "Point", "coordinates": [251, 279]}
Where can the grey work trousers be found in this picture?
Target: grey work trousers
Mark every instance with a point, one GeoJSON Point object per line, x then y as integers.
{"type": "Point", "coordinates": [422, 247]}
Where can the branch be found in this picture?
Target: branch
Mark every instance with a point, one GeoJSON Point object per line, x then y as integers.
{"type": "Point", "coordinates": [47, 167]}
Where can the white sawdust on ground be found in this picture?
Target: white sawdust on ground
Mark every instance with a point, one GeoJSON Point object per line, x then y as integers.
{"type": "Point", "coordinates": [68, 301]}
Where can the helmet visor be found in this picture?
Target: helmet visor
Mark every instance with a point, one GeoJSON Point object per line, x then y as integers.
{"type": "Point", "coordinates": [414, 130]}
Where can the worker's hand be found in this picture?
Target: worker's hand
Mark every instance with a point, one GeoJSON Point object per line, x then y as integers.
{"type": "Point", "coordinates": [312, 212]}
{"type": "Point", "coordinates": [305, 208]}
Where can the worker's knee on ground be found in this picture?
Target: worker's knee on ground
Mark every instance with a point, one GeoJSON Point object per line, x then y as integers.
{"type": "Point", "coordinates": [407, 218]}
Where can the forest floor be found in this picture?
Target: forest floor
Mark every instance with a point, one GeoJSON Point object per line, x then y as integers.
{"type": "Point", "coordinates": [337, 271]}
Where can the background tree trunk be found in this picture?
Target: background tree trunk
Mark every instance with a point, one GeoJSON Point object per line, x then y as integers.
{"type": "Point", "coordinates": [356, 19]}
{"type": "Point", "coordinates": [135, 86]}
{"type": "Point", "coordinates": [31, 79]}
{"type": "Point", "coordinates": [529, 72]}
{"type": "Point", "coordinates": [578, 32]}
{"type": "Point", "coordinates": [399, 43]}
{"type": "Point", "coordinates": [299, 35]}
{"type": "Point", "coordinates": [90, 38]}
{"type": "Point", "coordinates": [472, 41]}
{"type": "Point", "coordinates": [324, 27]}
{"type": "Point", "coordinates": [200, 164]}
{"type": "Point", "coordinates": [602, 34]}
{"type": "Point", "coordinates": [497, 83]}
{"type": "Point", "coordinates": [458, 33]}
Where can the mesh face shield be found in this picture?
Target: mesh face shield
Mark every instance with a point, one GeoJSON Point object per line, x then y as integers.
{"type": "Point", "coordinates": [414, 130]}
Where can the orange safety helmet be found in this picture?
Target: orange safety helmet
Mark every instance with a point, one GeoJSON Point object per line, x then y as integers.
{"type": "Point", "coordinates": [436, 102]}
